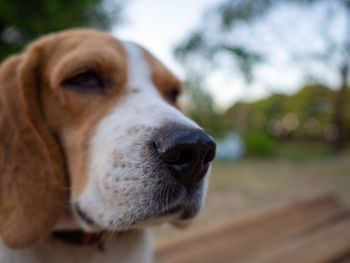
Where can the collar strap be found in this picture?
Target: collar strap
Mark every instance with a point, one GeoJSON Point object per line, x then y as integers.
{"type": "Point", "coordinates": [78, 237]}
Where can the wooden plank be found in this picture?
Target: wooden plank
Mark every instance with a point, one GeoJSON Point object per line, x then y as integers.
{"type": "Point", "coordinates": [270, 245]}
{"type": "Point", "coordinates": [226, 247]}
{"type": "Point", "coordinates": [329, 244]}
{"type": "Point", "coordinates": [325, 201]}
{"type": "Point", "coordinates": [238, 235]}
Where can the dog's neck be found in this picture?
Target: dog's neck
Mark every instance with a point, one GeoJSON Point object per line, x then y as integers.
{"type": "Point", "coordinates": [131, 246]}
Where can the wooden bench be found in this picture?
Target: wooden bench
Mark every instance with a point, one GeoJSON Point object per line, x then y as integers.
{"type": "Point", "coordinates": [314, 230]}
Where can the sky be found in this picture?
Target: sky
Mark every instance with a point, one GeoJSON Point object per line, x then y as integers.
{"type": "Point", "coordinates": [159, 25]}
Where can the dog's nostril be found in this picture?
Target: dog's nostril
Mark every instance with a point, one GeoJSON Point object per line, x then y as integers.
{"type": "Point", "coordinates": [174, 155]}
{"type": "Point", "coordinates": [210, 155]}
{"type": "Point", "coordinates": [185, 157]}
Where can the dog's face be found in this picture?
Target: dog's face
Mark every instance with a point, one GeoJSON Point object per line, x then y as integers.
{"type": "Point", "coordinates": [131, 157]}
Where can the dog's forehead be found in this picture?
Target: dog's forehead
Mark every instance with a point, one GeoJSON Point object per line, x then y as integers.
{"type": "Point", "coordinates": [138, 68]}
{"type": "Point", "coordinates": [86, 38]}
{"type": "Point", "coordinates": [141, 65]}
{"type": "Point", "coordinates": [72, 40]}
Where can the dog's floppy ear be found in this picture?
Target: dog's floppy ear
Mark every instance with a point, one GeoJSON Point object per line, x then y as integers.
{"type": "Point", "coordinates": [33, 186]}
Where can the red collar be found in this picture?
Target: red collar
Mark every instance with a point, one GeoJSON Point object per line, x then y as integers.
{"type": "Point", "coordinates": [78, 237]}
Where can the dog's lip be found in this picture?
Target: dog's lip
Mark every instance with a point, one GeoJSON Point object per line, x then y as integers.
{"type": "Point", "coordinates": [169, 211]}
{"type": "Point", "coordinates": [83, 216]}
{"type": "Point", "coordinates": [179, 211]}
{"type": "Point", "coordinates": [183, 207]}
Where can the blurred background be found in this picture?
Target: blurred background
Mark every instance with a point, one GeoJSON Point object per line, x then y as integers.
{"type": "Point", "coordinates": [269, 79]}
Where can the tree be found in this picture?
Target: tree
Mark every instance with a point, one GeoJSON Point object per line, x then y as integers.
{"type": "Point", "coordinates": [218, 41]}
{"type": "Point", "coordinates": [305, 115]}
{"type": "Point", "coordinates": [21, 21]}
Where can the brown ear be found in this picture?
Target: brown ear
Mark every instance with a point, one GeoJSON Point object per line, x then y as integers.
{"type": "Point", "coordinates": [33, 186]}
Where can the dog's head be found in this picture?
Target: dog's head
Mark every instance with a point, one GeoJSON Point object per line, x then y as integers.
{"type": "Point", "coordinates": [92, 122]}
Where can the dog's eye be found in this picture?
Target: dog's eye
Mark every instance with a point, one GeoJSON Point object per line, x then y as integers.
{"type": "Point", "coordinates": [87, 80]}
{"type": "Point", "coordinates": [172, 95]}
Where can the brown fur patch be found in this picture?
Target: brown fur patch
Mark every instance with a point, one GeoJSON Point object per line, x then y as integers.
{"type": "Point", "coordinates": [162, 78]}
{"type": "Point", "coordinates": [45, 127]}
{"type": "Point", "coordinates": [32, 178]}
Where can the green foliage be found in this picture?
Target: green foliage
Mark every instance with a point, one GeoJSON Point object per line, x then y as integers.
{"type": "Point", "coordinates": [308, 114]}
{"type": "Point", "coordinates": [258, 143]}
{"type": "Point", "coordinates": [21, 21]}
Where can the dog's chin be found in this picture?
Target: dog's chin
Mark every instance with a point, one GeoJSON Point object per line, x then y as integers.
{"type": "Point", "coordinates": [176, 219]}
{"type": "Point", "coordinates": [178, 215]}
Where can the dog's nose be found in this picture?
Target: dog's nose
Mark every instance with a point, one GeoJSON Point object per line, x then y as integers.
{"type": "Point", "coordinates": [185, 151]}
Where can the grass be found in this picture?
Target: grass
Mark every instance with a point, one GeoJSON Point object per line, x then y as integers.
{"type": "Point", "coordinates": [302, 150]}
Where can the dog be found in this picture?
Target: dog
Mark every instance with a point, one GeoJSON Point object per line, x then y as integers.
{"type": "Point", "coordinates": [93, 151]}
